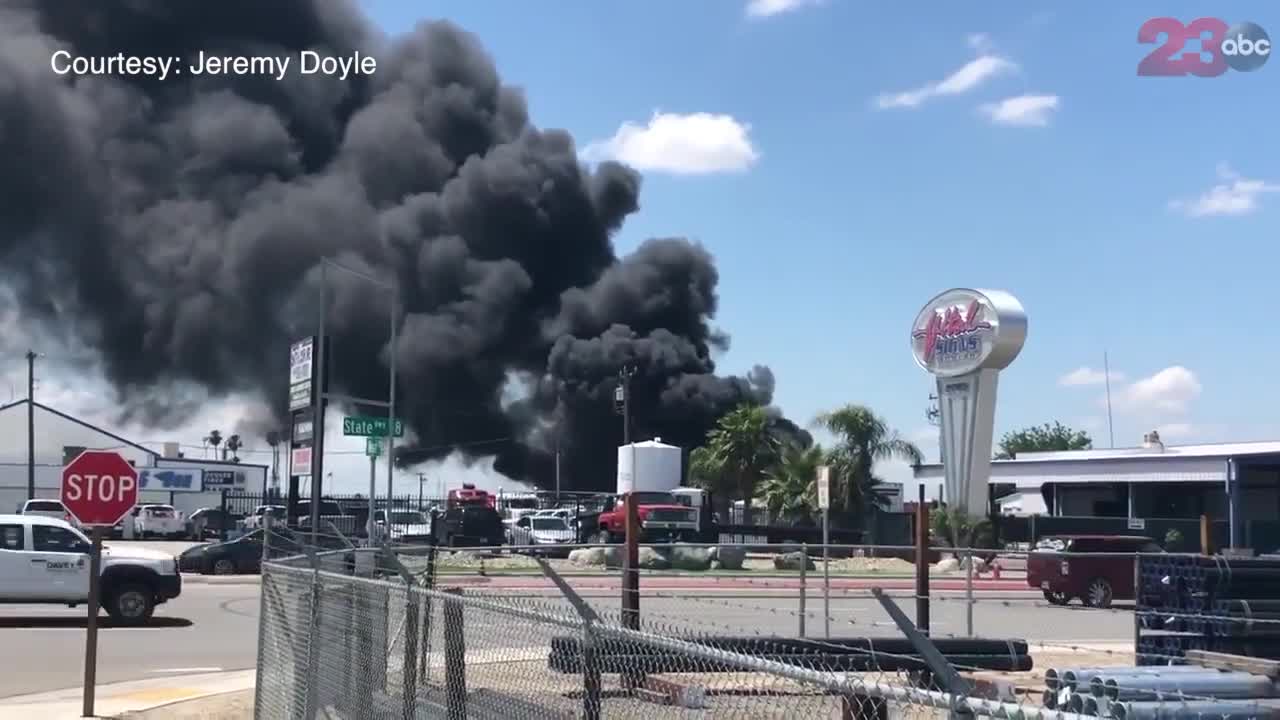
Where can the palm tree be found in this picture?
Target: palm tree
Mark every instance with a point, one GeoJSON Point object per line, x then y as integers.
{"type": "Point", "coordinates": [790, 486]}
{"type": "Point", "coordinates": [233, 446]}
{"type": "Point", "coordinates": [862, 440]}
{"type": "Point", "coordinates": [214, 439]}
{"type": "Point", "coordinates": [738, 452]}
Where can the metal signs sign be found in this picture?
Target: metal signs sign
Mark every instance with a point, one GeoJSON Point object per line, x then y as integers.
{"type": "Point", "coordinates": [824, 487]}
{"type": "Point", "coordinates": [961, 331]}
{"type": "Point", "coordinates": [301, 373]}
{"type": "Point", "coordinates": [304, 427]}
{"type": "Point", "coordinates": [964, 338]}
{"type": "Point", "coordinates": [363, 426]}
{"type": "Point", "coordinates": [300, 461]}
{"type": "Point", "coordinates": [225, 480]}
{"type": "Point", "coordinates": [171, 479]}
{"type": "Point", "coordinates": [373, 447]}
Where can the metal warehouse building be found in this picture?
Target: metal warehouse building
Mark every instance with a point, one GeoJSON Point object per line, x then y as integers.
{"type": "Point", "coordinates": [1237, 483]}
{"type": "Point", "coordinates": [165, 476]}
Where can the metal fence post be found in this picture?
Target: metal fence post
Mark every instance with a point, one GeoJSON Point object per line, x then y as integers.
{"type": "Point", "coordinates": [804, 565]}
{"type": "Point", "coordinates": [826, 575]}
{"type": "Point", "coordinates": [455, 657]}
{"type": "Point", "coordinates": [410, 652]}
{"type": "Point", "coordinates": [313, 636]}
{"type": "Point", "coordinates": [590, 673]}
{"type": "Point", "coordinates": [968, 593]}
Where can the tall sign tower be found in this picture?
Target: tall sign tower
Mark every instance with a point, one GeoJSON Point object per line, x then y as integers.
{"type": "Point", "coordinates": [964, 338]}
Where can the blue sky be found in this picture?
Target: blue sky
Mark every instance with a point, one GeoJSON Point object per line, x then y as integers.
{"type": "Point", "coordinates": [1132, 215]}
{"type": "Point", "coordinates": [846, 161]}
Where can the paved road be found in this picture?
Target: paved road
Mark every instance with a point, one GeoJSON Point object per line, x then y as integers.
{"type": "Point", "coordinates": [215, 626]}
{"type": "Point", "coordinates": [207, 627]}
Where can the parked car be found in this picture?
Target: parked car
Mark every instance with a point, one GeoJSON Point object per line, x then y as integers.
{"type": "Point", "coordinates": [408, 527]}
{"type": "Point", "coordinates": [48, 508]}
{"type": "Point", "coordinates": [159, 521]}
{"type": "Point", "coordinates": [1097, 569]}
{"type": "Point", "coordinates": [549, 535]}
{"type": "Point", "coordinates": [278, 513]}
{"type": "Point", "coordinates": [244, 554]}
{"type": "Point", "coordinates": [210, 522]}
{"type": "Point", "coordinates": [472, 526]}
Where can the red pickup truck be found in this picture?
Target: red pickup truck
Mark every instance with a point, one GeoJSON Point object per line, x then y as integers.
{"type": "Point", "coordinates": [1098, 569]}
{"type": "Point", "coordinates": [662, 518]}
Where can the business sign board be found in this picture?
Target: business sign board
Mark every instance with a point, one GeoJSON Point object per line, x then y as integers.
{"type": "Point", "coordinates": [304, 428]}
{"type": "Point", "coordinates": [183, 480]}
{"type": "Point", "coordinates": [225, 480]}
{"type": "Point", "coordinates": [300, 461]}
{"type": "Point", "coordinates": [301, 373]}
{"type": "Point", "coordinates": [964, 338]}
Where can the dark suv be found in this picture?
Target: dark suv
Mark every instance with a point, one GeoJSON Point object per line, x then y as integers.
{"type": "Point", "coordinates": [1098, 569]}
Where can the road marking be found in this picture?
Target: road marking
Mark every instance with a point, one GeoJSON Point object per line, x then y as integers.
{"type": "Point", "coordinates": [187, 670]}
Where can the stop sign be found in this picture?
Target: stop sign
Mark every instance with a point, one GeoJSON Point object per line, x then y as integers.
{"type": "Point", "coordinates": [99, 487]}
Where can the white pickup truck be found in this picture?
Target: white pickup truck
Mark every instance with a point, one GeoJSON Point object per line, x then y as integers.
{"type": "Point", "coordinates": [159, 521]}
{"type": "Point", "coordinates": [45, 561]}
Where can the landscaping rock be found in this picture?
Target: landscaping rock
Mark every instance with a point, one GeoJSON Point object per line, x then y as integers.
{"type": "Point", "coordinates": [948, 565]}
{"type": "Point", "coordinates": [651, 559]}
{"type": "Point", "coordinates": [792, 561]}
{"type": "Point", "coordinates": [692, 558]}
{"type": "Point", "coordinates": [729, 557]}
{"type": "Point", "coordinates": [597, 557]}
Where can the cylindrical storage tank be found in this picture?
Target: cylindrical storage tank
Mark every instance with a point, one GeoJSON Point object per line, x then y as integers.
{"type": "Point", "coordinates": [649, 466]}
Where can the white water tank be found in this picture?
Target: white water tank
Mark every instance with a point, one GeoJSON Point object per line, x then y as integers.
{"type": "Point", "coordinates": [656, 467]}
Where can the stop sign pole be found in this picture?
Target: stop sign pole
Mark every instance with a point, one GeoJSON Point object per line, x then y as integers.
{"type": "Point", "coordinates": [98, 489]}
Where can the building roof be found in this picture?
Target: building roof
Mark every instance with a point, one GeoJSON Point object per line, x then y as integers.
{"type": "Point", "coordinates": [1170, 453]}
{"type": "Point", "coordinates": [81, 423]}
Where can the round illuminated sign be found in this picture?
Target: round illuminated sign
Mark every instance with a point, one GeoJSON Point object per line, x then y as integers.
{"type": "Point", "coordinates": [961, 331]}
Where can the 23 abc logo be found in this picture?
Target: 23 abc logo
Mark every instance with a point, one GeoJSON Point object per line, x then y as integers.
{"type": "Point", "coordinates": [1243, 47]}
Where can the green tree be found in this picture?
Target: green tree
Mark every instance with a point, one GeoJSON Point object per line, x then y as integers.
{"type": "Point", "coordinates": [953, 527]}
{"type": "Point", "coordinates": [862, 440]}
{"type": "Point", "coordinates": [790, 486]}
{"type": "Point", "coordinates": [1042, 438]}
{"type": "Point", "coordinates": [739, 450]}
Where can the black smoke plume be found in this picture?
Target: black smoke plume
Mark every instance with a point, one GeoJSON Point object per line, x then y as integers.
{"type": "Point", "coordinates": [176, 227]}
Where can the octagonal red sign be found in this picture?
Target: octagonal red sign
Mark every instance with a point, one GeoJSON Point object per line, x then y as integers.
{"type": "Point", "coordinates": [99, 487]}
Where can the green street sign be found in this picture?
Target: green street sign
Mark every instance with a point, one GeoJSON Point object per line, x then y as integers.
{"type": "Point", "coordinates": [365, 426]}
{"type": "Point", "coordinates": [373, 447]}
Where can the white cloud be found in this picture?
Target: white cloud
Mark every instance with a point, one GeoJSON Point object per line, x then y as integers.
{"type": "Point", "coordinates": [1169, 391]}
{"type": "Point", "coordinates": [769, 8]}
{"type": "Point", "coordinates": [971, 75]}
{"type": "Point", "coordinates": [1022, 110]}
{"type": "Point", "coordinates": [694, 144]}
{"type": "Point", "coordinates": [1234, 195]}
{"type": "Point", "coordinates": [1088, 376]}
{"type": "Point", "coordinates": [1177, 431]}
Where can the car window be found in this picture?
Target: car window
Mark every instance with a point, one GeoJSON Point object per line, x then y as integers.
{"type": "Point", "coordinates": [48, 538]}
{"type": "Point", "coordinates": [11, 537]}
{"type": "Point", "coordinates": [44, 506]}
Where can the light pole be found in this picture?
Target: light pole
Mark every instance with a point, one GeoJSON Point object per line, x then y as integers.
{"type": "Point", "coordinates": [323, 394]}
{"type": "Point", "coordinates": [422, 478]}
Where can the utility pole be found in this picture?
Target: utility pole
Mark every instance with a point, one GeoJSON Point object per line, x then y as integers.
{"type": "Point", "coordinates": [31, 424]}
{"type": "Point", "coordinates": [622, 400]}
{"type": "Point", "coordinates": [934, 416]}
{"type": "Point", "coordinates": [422, 478]}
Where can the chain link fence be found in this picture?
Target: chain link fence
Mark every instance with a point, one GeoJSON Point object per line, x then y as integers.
{"type": "Point", "coordinates": [342, 638]}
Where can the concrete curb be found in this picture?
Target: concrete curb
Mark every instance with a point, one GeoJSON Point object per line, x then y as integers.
{"type": "Point", "coordinates": [115, 699]}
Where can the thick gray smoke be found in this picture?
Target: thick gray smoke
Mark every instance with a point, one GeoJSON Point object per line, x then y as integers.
{"type": "Point", "coordinates": [176, 226]}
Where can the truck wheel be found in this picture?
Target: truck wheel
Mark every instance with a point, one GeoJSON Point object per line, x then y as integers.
{"type": "Point", "coordinates": [602, 538]}
{"type": "Point", "coordinates": [1056, 598]}
{"type": "Point", "coordinates": [1099, 594]}
{"type": "Point", "coordinates": [131, 604]}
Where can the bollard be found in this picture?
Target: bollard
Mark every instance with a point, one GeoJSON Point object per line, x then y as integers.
{"type": "Point", "coordinates": [804, 565]}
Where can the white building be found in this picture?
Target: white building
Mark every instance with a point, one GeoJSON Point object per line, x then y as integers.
{"type": "Point", "coordinates": [1149, 481]}
{"type": "Point", "coordinates": [165, 477]}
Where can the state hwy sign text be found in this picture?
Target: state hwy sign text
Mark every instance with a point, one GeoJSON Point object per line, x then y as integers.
{"type": "Point", "coordinates": [364, 426]}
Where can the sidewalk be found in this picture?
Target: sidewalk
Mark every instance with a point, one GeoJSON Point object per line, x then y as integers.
{"type": "Point", "coordinates": [117, 699]}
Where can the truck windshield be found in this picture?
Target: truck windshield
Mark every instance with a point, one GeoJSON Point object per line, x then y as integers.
{"type": "Point", "coordinates": [654, 498]}
{"type": "Point", "coordinates": [521, 503]}
{"type": "Point", "coordinates": [160, 512]}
